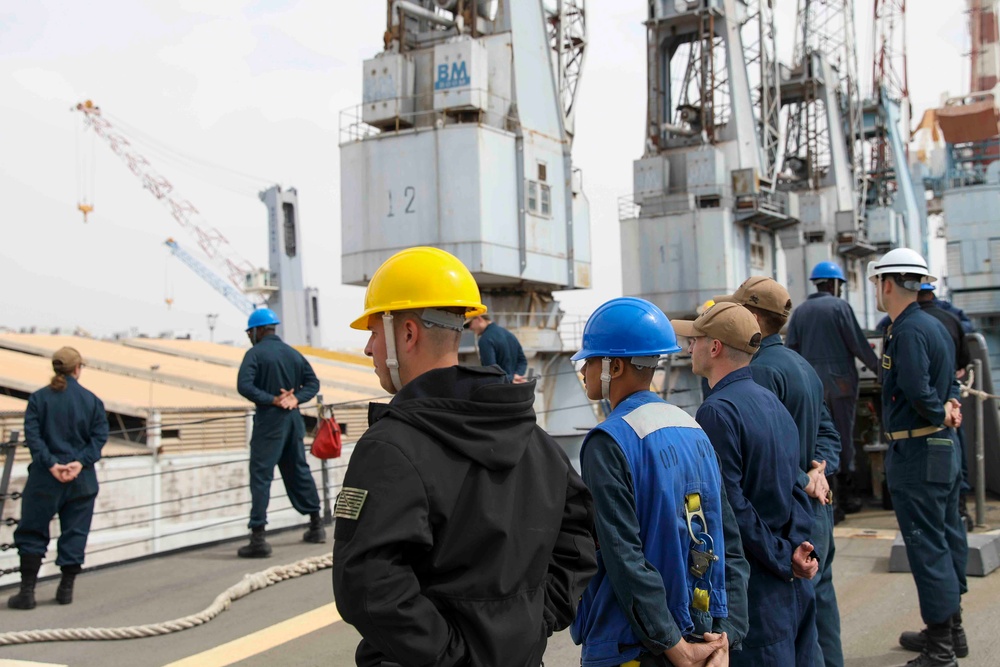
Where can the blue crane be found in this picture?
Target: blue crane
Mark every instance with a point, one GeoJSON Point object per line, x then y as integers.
{"type": "Point", "coordinates": [233, 295]}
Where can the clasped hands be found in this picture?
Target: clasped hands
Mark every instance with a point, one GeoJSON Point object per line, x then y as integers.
{"type": "Point", "coordinates": [66, 472]}
{"type": "Point", "coordinates": [286, 400]}
{"type": "Point", "coordinates": [953, 413]}
{"type": "Point", "coordinates": [818, 487]}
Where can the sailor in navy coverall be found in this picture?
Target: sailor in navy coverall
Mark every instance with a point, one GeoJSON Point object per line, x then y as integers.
{"type": "Point", "coordinates": [65, 427]}
{"type": "Point", "coordinates": [757, 443]}
{"type": "Point", "coordinates": [800, 390]}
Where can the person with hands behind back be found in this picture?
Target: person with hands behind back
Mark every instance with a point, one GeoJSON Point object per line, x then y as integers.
{"type": "Point", "coordinates": [758, 446]}
{"type": "Point", "coordinates": [65, 427]}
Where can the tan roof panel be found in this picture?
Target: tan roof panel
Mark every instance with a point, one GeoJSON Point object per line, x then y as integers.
{"type": "Point", "coordinates": [11, 404]}
{"type": "Point", "coordinates": [126, 395]}
{"type": "Point", "coordinates": [205, 367]}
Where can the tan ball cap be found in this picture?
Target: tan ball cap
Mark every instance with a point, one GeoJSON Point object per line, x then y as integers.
{"type": "Point", "coordinates": [730, 323]}
{"type": "Point", "coordinates": [761, 292]}
{"type": "Point", "coordinates": [66, 359]}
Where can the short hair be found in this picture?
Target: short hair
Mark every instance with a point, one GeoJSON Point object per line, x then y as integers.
{"type": "Point", "coordinates": [444, 340]}
{"type": "Point", "coordinates": [770, 322]}
{"type": "Point", "coordinates": [736, 356]}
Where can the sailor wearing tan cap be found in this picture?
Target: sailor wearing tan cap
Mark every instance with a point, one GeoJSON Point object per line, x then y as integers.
{"type": "Point", "coordinates": [800, 390]}
{"type": "Point", "coordinates": [757, 443]}
{"type": "Point", "coordinates": [65, 427]}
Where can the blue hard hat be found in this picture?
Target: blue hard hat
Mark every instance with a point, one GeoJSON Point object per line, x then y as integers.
{"type": "Point", "coordinates": [627, 327]}
{"type": "Point", "coordinates": [929, 287]}
{"type": "Point", "coordinates": [827, 271]}
{"type": "Point", "coordinates": [262, 317]}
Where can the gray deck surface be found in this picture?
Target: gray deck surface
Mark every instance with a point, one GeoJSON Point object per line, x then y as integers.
{"type": "Point", "coordinates": [875, 607]}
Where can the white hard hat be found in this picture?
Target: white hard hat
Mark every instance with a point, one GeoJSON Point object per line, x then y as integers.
{"type": "Point", "coordinates": [901, 260]}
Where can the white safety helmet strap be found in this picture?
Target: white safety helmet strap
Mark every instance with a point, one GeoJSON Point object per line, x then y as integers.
{"type": "Point", "coordinates": [391, 362]}
{"type": "Point", "coordinates": [606, 378]}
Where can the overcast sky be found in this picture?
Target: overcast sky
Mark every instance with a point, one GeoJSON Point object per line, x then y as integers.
{"type": "Point", "coordinates": [256, 87]}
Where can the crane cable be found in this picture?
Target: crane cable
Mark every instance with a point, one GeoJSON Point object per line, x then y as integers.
{"type": "Point", "coordinates": [251, 582]}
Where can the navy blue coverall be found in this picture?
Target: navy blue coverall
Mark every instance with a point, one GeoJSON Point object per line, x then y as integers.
{"type": "Point", "coordinates": [918, 378]}
{"type": "Point", "coordinates": [825, 332]}
{"type": "Point", "coordinates": [758, 447]}
{"type": "Point", "coordinates": [61, 427]}
{"type": "Point", "coordinates": [268, 367]}
{"type": "Point", "coordinates": [800, 390]}
{"type": "Point", "coordinates": [500, 347]}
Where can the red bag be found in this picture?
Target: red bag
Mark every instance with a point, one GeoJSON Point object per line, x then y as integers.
{"type": "Point", "coordinates": [327, 443]}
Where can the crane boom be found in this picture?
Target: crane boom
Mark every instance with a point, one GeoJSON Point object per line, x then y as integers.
{"type": "Point", "coordinates": [209, 239]}
{"type": "Point", "coordinates": [233, 295]}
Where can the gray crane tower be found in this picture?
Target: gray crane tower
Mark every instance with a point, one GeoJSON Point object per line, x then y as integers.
{"type": "Point", "coordinates": [705, 212]}
{"type": "Point", "coordinates": [463, 143]}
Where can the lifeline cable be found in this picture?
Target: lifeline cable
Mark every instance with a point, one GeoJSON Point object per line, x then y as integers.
{"type": "Point", "coordinates": [250, 583]}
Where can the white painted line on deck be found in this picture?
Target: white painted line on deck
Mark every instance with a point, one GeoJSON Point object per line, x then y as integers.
{"type": "Point", "coordinates": [263, 640]}
{"type": "Point", "coordinates": [27, 663]}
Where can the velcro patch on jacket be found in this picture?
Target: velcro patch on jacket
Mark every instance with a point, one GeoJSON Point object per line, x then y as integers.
{"type": "Point", "coordinates": [349, 503]}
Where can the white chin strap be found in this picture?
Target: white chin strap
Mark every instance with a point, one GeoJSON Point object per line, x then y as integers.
{"type": "Point", "coordinates": [879, 303]}
{"type": "Point", "coordinates": [606, 378]}
{"type": "Point", "coordinates": [391, 362]}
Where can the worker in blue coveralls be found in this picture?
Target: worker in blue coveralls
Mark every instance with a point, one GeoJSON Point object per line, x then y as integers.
{"type": "Point", "coordinates": [825, 331]}
{"type": "Point", "coordinates": [277, 379]}
{"type": "Point", "coordinates": [920, 410]}
{"type": "Point", "coordinates": [671, 582]}
{"type": "Point", "coordinates": [800, 390]}
{"type": "Point", "coordinates": [499, 347]}
{"type": "Point", "coordinates": [956, 331]}
{"type": "Point", "coordinates": [65, 427]}
{"type": "Point", "coordinates": [757, 443]}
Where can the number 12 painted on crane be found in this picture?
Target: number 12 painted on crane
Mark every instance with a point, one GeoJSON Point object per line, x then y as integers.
{"type": "Point", "coordinates": [409, 196]}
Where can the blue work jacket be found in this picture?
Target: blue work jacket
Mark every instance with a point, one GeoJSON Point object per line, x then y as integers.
{"type": "Point", "coordinates": [65, 426]}
{"type": "Point", "coordinates": [825, 332]}
{"type": "Point", "coordinates": [497, 346]}
{"type": "Point", "coordinates": [758, 446]}
{"type": "Point", "coordinates": [640, 464]}
{"type": "Point", "coordinates": [918, 371]}
{"type": "Point", "coordinates": [268, 367]}
{"type": "Point", "coordinates": [798, 387]}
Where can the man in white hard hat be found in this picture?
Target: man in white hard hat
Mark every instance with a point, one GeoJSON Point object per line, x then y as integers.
{"type": "Point", "coordinates": [920, 411]}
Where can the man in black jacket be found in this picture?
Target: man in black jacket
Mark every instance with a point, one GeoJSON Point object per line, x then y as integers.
{"type": "Point", "coordinates": [463, 535]}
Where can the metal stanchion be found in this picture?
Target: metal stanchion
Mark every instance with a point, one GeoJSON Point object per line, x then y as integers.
{"type": "Point", "coordinates": [980, 448]}
{"type": "Point", "coordinates": [7, 448]}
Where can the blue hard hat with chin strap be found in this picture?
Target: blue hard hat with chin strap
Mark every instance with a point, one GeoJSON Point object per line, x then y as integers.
{"type": "Point", "coordinates": [827, 271]}
{"type": "Point", "coordinates": [262, 317]}
{"type": "Point", "coordinates": [627, 327]}
{"type": "Point", "coordinates": [927, 287]}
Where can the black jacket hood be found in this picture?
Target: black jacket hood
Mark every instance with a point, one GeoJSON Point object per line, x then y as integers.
{"type": "Point", "coordinates": [472, 410]}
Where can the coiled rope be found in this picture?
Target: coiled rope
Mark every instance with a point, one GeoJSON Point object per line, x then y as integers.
{"type": "Point", "coordinates": [250, 583]}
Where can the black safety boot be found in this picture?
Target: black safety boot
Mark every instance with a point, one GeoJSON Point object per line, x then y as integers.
{"type": "Point", "coordinates": [315, 533]}
{"type": "Point", "coordinates": [849, 500]}
{"type": "Point", "coordinates": [938, 648]}
{"type": "Point", "coordinates": [916, 641]}
{"type": "Point", "coordinates": [25, 599]}
{"type": "Point", "coordinates": [64, 594]}
{"type": "Point", "coordinates": [258, 547]}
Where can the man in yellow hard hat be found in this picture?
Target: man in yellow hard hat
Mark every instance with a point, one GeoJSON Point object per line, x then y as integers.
{"type": "Point", "coordinates": [463, 535]}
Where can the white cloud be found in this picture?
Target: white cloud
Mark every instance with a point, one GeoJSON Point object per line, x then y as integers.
{"type": "Point", "coordinates": [46, 84]}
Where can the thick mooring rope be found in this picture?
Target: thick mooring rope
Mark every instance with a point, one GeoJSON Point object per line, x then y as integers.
{"type": "Point", "coordinates": [250, 583]}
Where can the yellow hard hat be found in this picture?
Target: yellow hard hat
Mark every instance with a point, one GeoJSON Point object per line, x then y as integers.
{"type": "Point", "coordinates": [705, 306]}
{"type": "Point", "coordinates": [421, 277]}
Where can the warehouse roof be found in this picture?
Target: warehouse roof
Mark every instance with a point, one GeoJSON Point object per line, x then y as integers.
{"type": "Point", "coordinates": [205, 368]}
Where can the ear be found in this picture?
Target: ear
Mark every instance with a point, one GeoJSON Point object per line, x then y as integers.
{"type": "Point", "coordinates": [716, 348]}
{"type": "Point", "coordinates": [409, 334]}
{"type": "Point", "coordinates": [617, 367]}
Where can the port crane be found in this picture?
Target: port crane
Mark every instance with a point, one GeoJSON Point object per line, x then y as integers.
{"type": "Point", "coordinates": [245, 285]}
